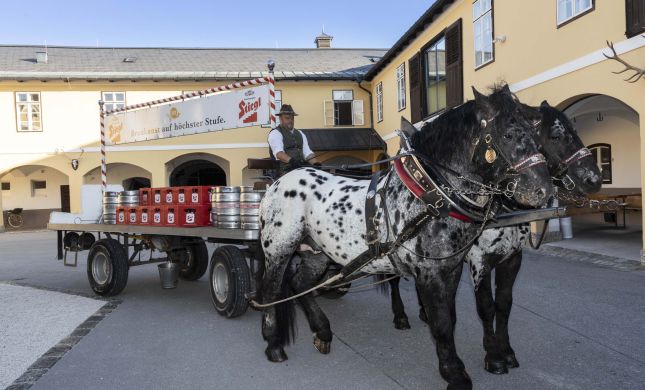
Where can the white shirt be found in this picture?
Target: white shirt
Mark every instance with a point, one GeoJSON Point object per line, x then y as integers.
{"type": "Point", "coordinates": [277, 145]}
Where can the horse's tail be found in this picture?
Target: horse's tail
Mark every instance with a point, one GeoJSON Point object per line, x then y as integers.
{"type": "Point", "coordinates": [285, 312]}
{"type": "Point", "coordinates": [382, 287]}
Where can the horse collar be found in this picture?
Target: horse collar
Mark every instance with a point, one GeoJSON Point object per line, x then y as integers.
{"type": "Point", "coordinates": [421, 185]}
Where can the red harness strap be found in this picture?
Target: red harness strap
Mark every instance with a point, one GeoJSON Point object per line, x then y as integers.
{"type": "Point", "coordinates": [418, 191]}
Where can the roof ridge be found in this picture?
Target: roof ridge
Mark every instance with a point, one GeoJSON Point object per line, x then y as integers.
{"type": "Point", "coordinates": [190, 48]}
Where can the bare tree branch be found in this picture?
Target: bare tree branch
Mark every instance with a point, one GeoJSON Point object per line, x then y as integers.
{"type": "Point", "coordinates": [638, 72]}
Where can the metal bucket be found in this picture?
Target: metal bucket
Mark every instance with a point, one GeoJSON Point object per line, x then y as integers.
{"type": "Point", "coordinates": [168, 274]}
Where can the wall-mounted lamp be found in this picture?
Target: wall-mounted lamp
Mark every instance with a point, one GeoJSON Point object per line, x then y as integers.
{"type": "Point", "coordinates": [500, 39]}
{"type": "Point", "coordinates": [74, 164]}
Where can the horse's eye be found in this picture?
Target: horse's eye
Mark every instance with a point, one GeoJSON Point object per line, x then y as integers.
{"type": "Point", "coordinates": [508, 136]}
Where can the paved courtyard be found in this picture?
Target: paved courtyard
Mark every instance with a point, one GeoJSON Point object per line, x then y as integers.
{"type": "Point", "coordinates": [574, 325]}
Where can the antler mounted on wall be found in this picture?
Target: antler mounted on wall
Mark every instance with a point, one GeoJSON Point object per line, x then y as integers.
{"type": "Point", "coordinates": [638, 72]}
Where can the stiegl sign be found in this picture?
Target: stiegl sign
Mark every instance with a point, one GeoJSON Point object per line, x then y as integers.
{"type": "Point", "coordinates": [223, 111]}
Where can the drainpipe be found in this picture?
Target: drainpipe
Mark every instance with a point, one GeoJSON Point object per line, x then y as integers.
{"type": "Point", "coordinates": [359, 81]}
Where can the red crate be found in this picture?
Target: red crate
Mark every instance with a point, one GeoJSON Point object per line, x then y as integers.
{"type": "Point", "coordinates": [131, 217]}
{"type": "Point", "coordinates": [182, 195]}
{"type": "Point", "coordinates": [156, 215]}
{"type": "Point", "coordinates": [145, 196]}
{"type": "Point", "coordinates": [168, 196]}
{"type": "Point", "coordinates": [200, 195]}
{"type": "Point", "coordinates": [170, 215]}
{"type": "Point", "coordinates": [120, 216]}
{"type": "Point", "coordinates": [194, 215]}
{"type": "Point", "coordinates": [144, 215]}
{"type": "Point", "coordinates": [157, 197]}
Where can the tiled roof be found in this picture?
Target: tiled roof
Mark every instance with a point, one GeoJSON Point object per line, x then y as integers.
{"type": "Point", "coordinates": [19, 63]}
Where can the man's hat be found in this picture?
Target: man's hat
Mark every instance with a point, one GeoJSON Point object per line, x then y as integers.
{"type": "Point", "coordinates": [286, 110]}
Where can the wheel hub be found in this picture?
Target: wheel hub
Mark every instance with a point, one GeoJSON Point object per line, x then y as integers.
{"type": "Point", "coordinates": [101, 268]}
{"type": "Point", "coordinates": [220, 282]}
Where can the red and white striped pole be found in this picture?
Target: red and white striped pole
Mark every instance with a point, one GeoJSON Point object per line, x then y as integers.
{"type": "Point", "coordinates": [271, 65]}
{"type": "Point", "coordinates": [103, 158]}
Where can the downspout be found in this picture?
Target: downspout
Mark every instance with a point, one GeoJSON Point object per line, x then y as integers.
{"type": "Point", "coordinates": [359, 81]}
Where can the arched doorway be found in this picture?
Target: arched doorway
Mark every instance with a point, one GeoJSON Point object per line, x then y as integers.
{"type": "Point", "coordinates": [130, 176]}
{"type": "Point", "coordinates": [38, 190]}
{"type": "Point", "coordinates": [135, 183]}
{"type": "Point", "coordinates": [198, 173]}
{"type": "Point", "coordinates": [198, 169]}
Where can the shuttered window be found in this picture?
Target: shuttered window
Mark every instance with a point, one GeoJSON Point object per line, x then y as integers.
{"type": "Point", "coordinates": [436, 74]}
{"type": "Point", "coordinates": [635, 17]}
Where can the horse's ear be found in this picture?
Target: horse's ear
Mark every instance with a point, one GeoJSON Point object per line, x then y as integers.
{"type": "Point", "coordinates": [506, 89]}
{"type": "Point", "coordinates": [407, 127]}
{"type": "Point", "coordinates": [482, 102]}
{"type": "Point", "coordinates": [545, 104]}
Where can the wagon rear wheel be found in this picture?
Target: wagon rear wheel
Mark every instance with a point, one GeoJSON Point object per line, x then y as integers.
{"type": "Point", "coordinates": [196, 260]}
{"type": "Point", "coordinates": [229, 281]}
{"type": "Point", "coordinates": [107, 267]}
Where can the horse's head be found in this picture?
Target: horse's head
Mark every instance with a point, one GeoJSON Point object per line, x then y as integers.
{"type": "Point", "coordinates": [505, 149]}
{"type": "Point", "coordinates": [567, 157]}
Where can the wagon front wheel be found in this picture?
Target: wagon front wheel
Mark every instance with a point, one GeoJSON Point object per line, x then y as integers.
{"type": "Point", "coordinates": [229, 281]}
{"type": "Point", "coordinates": [107, 267]}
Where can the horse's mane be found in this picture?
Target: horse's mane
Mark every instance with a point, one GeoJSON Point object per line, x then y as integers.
{"type": "Point", "coordinates": [451, 134]}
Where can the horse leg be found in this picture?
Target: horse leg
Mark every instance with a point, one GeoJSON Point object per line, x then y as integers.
{"type": "Point", "coordinates": [422, 313]}
{"type": "Point", "coordinates": [277, 320]}
{"type": "Point", "coordinates": [493, 361]}
{"type": "Point", "coordinates": [505, 275]}
{"type": "Point", "coordinates": [438, 293]}
{"type": "Point", "coordinates": [400, 318]}
{"type": "Point", "coordinates": [307, 275]}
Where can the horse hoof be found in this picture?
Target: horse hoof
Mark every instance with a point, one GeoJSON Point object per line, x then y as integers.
{"type": "Point", "coordinates": [401, 323]}
{"type": "Point", "coordinates": [463, 383]}
{"type": "Point", "coordinates": [511, 361]}
{"type": "Point", "coordinates": [497, 367]}
{"type": "Point", "coordinates": [323, 347]}
{"type": "Point", "coordinates": [276, 355]}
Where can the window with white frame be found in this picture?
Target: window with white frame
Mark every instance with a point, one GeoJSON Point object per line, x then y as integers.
{"type": "Point", "coordinates": [483, 31]}
{"type": "Point", "coordinates": [569, 9]}
{"type": "Point", "coordinates": [113, 100]}
{"type": "Point", "coordinates": [28, 111]}
{"type": "Point", "coordinates": [343, 110]}
{"type": "Point", "coordinates": [379, 102]}
{"type": "Point", "coordinates": [400, 87]}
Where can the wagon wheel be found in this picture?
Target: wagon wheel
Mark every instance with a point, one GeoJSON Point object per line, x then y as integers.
{"type": "Point", "coordinates": [196, 259]}
{"type": "Point", "coordinates": [229, 281]}
{"type": "Point", "coordinates": [107, 267]}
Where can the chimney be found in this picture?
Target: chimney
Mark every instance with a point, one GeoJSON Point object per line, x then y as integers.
{"type": "Point", "coordinates": [41, 57]}
{"type": "Point", "coordinates": [323, 41]}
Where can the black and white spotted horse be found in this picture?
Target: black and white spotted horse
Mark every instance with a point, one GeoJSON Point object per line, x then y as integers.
{"type": "Point", "coordinates": [329, 211]}
{"type": "Point", "coordinates": [570, 163]}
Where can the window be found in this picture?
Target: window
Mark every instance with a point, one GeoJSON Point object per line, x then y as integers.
{"type": "Point", "coordinates": [113, 100]}
{"type": "Point", "coordinates": [6, 186]}
{"type": "Point", "coordinates": [343, 110]}
{"type": "Point", "coordinates": [635, 17]}
{"type": "Point", "coordinates": [602, 154]}
{"type": "Point", "coordinates": [570, 9]}
{"type": "Point", "coordinates": [435, 80]}
{"type": "Point", "coordinates": [436, 74]}
{"type": "Point", "coordinates": [28, 112]}
{"type": "Point", "coordinates": [278, 105]}
{"type": "Point", "coordinates": [379, 102]}
{"type": "Point", "coordinates": [400, 87]}
{"type": "Point", "coordinates": [483, 31]}
{"type": "Point", "coordinates": [38, 188]}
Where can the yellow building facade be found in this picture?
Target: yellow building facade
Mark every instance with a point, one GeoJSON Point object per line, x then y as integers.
{"type": "Point", "coordinates": [545, 50]}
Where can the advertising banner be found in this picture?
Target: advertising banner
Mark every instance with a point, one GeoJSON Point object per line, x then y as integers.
{"type": "Point", "coordinates": [223, 111]}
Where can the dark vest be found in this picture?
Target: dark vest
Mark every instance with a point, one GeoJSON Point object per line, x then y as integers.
{"type": "Point", "coordinates": [292, 142]}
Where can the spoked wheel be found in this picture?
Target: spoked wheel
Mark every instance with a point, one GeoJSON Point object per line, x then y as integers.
{"type": "Point", "coordinates": [15, 220]}
{"type": "Point", "coordinates": [196, 260]}
{"type": "Point", "coordinates": [107, 267]}
{"type": "Point", "coordinates": [229, 281]}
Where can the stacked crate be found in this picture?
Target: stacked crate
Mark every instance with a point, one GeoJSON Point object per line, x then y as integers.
{"type": "Point", "coordinates": [172, 207]}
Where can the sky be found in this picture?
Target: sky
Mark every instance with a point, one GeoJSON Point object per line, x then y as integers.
{"type": "Point", "coordinates": [189, 23]}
